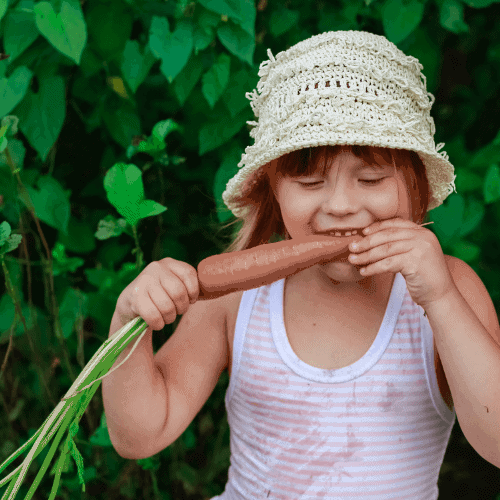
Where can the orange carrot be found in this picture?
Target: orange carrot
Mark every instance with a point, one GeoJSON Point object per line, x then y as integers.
{"type": "Point", "coordinates": [262, 265]}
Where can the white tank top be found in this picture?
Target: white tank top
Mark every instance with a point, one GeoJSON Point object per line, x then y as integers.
{"type": "Point", "coordinates": [377, 429]}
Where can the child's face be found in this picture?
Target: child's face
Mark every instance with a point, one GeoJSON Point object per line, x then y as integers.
{"type": "Point", "coordinates": [350, 195]}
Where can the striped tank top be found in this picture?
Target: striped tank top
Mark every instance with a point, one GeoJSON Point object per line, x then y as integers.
{"type": "Point", "coordinates": [376, 429]}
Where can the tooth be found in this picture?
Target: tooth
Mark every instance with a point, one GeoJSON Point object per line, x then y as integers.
{"type": "Point", "coordinates": [337, 234]}
{"type": "Point", "coordinates": [348, 233]}
{"type": "Point", "coordinates": [354, 232]}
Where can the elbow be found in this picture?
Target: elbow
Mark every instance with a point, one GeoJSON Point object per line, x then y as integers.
{"type": "Point", "coordinates": [484, 445]}
{"type": "Point", "coordinates": [132, 454]}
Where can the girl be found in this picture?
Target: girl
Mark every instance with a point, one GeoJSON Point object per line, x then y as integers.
{"type": "Point", "coordinates": [337, 388]}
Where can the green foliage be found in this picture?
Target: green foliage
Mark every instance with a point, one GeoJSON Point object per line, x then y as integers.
{"type": "Point", "coordinates": [122, 122]}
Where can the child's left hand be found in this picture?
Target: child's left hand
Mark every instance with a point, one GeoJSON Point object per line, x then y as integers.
{"type": "Point", "coordinates": [401, 246]}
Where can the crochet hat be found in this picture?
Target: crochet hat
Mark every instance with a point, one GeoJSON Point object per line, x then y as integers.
{"type": "Point", "coordinates": [341, 87]}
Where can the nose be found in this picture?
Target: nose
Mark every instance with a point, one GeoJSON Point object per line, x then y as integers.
{"type": "Point", "coordinates": [340, 198]}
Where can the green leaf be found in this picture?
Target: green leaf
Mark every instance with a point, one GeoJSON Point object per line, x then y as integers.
{"type": "Point", "coordinates": [13, 89]}
{"type": "Point", "coordinates": [204, 28]}
{"type": "Point", "coordinates": [214, 134]}
{"type": "Point", "coordinates": [466, 251]}
{"type": "Point", "coordinates": [109, 23]}
{"type": "Point", "coordinates": [484, 157]}
{"type": "Point", "coordinates": [189, 439]}
{"type": "Point", "coordinates": [20, 30]}
{"type": "Point", "coordinates": [474, 215]}
{"type": "Point", "coordinates": [5, 231]}
{"type": "Point", "coordinates": [110, 227]}
{"type": "Point", "coordinates": [237, 41]}
{"type": "Point", "coordinates": [164, 128]}
{"type": "Point", "coordinates": [7, 318]}
{"type": "Point", "coordinates": [227, 170]}
{"type": "Point", "coordinates": [400, 18]}
{"type": "Point", "coordinates": [451, 16]}
{"type": "Point", "coordinates": [468, 181]}
{"type": "Point", "coordinates": [41, 115]}
{"type": "Point", "coordinates": [125, 191]}
{"type": "Point", "coordinates": [282, 20]}
{"type": "Point", "coordinates": [101, 434]}
{"type": "Point", "coordinates": [229, 8]}
{"type": "Point", "coordinates": [187, 79]}
{"type": "Point", "coordinates": [148, 208]}
{"type": "Point", "coordinates": [215, 80]}
{"type": "Point", "coordinates": [17, 411]}
{"type": "Point", "coordinates": [80, 238]}
{"type": "Point", "coordinates": [9, 126]}
{"type": "Point", "coordinates": [480, 4]}
{"type": "Point", "coordinates": [3, 7]}
{"type": "Point", "coordinates": [17, 153]}
{"type": "Point", "coordinates": [66, 31]}
{"type": "Point", "coordinates": [135, 64]}
{"type": "Point", "coordinates": [240, 82]}
{"type": "Point", "coordinates": [448, 219]}
{"type": "Point", "coordinates": [122, 123]}
{"type": "Point", "coordinates": [174, 48]}
{"type": "Point", "coordinates": [154, 144]}
{"type": "Point", "coordinates": [150, 463]}
{"type": "Point", "coordinates": [241, 12]}
{"type": "Point", "coordinates": [248, 15]}
{"type": "Point", "coordinates": [491, 188]}
{"type": "Point", "coordinates": [51, 203]}
{"type": "Point", "coordinates": [74, 303]}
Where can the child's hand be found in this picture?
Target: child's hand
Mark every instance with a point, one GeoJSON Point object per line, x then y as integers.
{"type": "Point", "coordinates": [163, 290]}
{"type": "Point", "coordinates": [401, 246]}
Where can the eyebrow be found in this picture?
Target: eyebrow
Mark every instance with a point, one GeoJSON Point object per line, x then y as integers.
{"type": "Point", "coordinates": [371, 166]}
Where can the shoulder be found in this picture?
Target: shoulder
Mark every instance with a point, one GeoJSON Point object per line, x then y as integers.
{"type": "Point", "coordinates": [475, 293]}
{"type": "Point", "coordinates": [464, 276]}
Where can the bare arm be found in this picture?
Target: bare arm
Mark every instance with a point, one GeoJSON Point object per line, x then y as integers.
{"type": "Point", "coordinates": [134, 396]}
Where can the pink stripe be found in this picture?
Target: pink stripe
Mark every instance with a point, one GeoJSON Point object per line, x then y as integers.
{"type": "Point", "coordinates": [300, 455]}
{"type": "Point", "coordinates": [282, 384]}
{"type": "Point", "coordinates": [366, 485]}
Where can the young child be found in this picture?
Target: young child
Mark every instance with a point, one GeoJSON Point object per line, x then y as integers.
{"type": "Point", "coordinates": [345, 377]}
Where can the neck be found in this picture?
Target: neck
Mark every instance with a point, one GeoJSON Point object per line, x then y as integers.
{"type": "Point", "coordinates": [375, 288]}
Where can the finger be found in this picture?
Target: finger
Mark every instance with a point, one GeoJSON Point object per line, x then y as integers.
{"type": "Point", "coordinates": [386, 223]}
{"type": "Point", "coordinates": [393, 264]}
{"type": "Point", "coordinates": [159, 310]}
{"type": "Point", "coordinates": [380, 238]}
{"type": "Point", "coordinates": [380, 252]}
{"type": "Point", "coordinates": [177, 292]}
{"type": "Point", "coordinates": [187, 274]}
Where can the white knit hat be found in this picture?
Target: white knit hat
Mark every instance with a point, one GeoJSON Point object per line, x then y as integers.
{"type": "Point", "coordinates": [342, 87]}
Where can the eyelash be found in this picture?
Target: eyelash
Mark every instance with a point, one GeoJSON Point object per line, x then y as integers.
{"type": "Point", "coordinates": [370, 182]}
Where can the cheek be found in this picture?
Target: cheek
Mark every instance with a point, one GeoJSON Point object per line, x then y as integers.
{"type": "Point", "coordinates": [292, 204]}
{"type": "Point", "coordinates": [388, 202]}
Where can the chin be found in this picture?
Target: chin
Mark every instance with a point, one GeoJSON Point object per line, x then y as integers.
{"type": "Point", "coordinates": [340, 266]}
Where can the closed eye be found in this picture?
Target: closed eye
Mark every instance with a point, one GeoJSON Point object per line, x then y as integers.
{"type": "Point", "coordinates": [372, 182]}
{"type": "Point", "coordinates": [306, 184]}
{"type": "Point", "coordinates": [376, 181]}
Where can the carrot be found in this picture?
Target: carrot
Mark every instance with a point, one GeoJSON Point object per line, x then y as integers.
{"type": "Point", "coordinates": [262, 265]}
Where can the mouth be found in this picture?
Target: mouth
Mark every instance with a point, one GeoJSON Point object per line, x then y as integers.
{"type": "Point", "coordinates": [344, 232]}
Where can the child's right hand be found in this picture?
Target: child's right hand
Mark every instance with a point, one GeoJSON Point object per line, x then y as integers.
{"type": "Point", "coordinates": [164, 289]}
